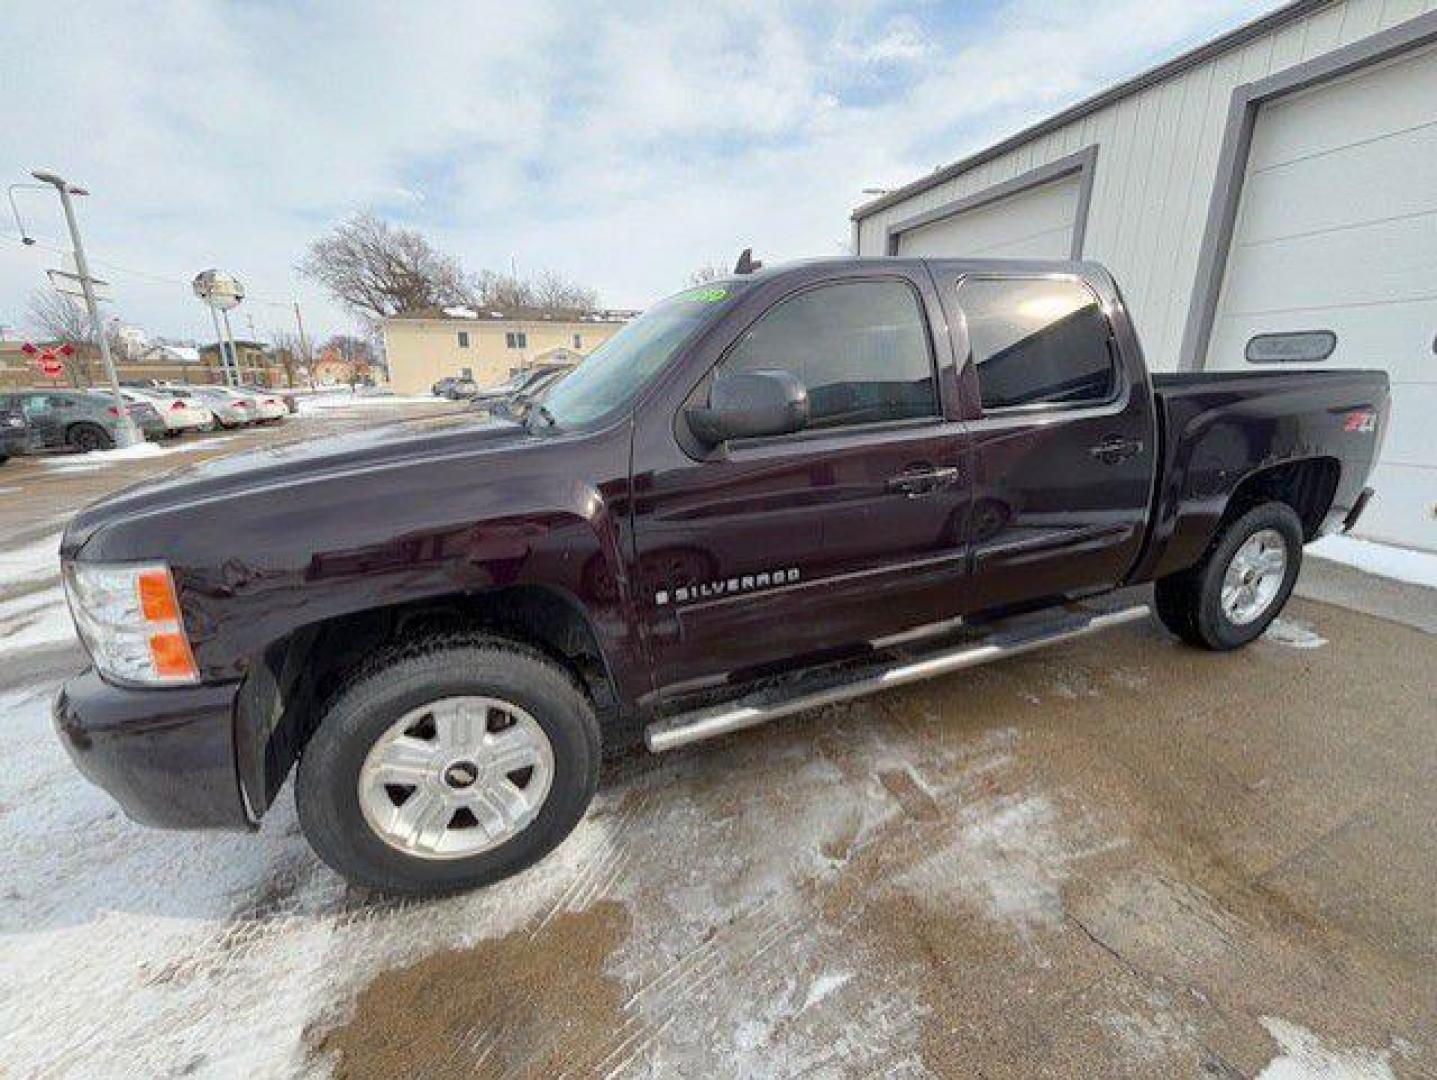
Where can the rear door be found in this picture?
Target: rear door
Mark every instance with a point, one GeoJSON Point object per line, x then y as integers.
{"type": "Point", "coordinates": [769, 551]}
{"type": "Point", "coordinates": [1063, 452]}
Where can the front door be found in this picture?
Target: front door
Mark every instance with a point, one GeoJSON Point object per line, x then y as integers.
{"type": "Point", "coordinates": [1063, 453]}
{"type": "Point", "coordinates": [769, 552]}
{"type": "Point", "coordinates": [46, 424]}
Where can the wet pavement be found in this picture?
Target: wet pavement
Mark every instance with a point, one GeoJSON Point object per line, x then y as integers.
{"type": "Point", "coordinates": [1120, 857]}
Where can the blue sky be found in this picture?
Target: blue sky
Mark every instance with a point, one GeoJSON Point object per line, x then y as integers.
{"type": "Point", "coordinates": [621, 144]}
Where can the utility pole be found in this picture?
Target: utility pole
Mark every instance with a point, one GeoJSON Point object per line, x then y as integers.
{"type": "Point", "coordinates": [126, 434]}
{"type": "Point", "coordinates": [304, 344]}
{"type": "Point", "coordinates": [234, 350]}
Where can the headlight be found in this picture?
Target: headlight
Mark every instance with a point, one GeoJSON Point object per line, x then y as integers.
{"type": "Point", "coordinates": [129, 619]}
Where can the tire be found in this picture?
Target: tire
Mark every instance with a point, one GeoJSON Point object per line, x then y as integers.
{"type": "Point", "coordinates": [346, 826]}
{"type": "Point", "coordinates": [88, 437]}
{"type": "Point", "coordinates": [1192, 604]}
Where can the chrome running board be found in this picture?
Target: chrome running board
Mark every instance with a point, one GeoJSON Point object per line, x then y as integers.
{"type": "Point", "coordinates": [766, 705]}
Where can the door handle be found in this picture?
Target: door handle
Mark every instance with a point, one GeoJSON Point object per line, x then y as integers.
{"type": "Point", "coordinates": [1115, 448]}
{"type": "Point", "coordinates": [921, 481]}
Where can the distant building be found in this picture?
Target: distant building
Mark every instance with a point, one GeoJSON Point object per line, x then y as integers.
{"type": "Point", "coordinates": [423, 347]}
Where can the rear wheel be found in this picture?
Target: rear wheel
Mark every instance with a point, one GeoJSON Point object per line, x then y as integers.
{"type": "Point", "coordinates": [1230, 597]}
{"type": "Point", "coordinates": [87, 437]}
{"type": "Point", "coordinates": [448, 764]}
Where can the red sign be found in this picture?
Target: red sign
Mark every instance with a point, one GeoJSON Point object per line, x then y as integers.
{"type": "Point", "coordinates": [50, 364]}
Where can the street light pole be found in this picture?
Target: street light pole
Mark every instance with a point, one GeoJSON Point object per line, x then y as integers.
{"type": "Point", "coordinates": [126, 434]}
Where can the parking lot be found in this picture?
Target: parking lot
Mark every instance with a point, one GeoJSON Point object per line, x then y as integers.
{"type": "Point", "coordinates": [1121, 857]}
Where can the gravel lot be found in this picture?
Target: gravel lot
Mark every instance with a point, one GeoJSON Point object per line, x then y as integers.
{"type": "Point", "coordinates": [1117, 858]}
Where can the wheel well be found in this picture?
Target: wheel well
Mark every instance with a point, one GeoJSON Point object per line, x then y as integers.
{"type": "Point", "coordinates": [280, 701]}
{"type": "Point", "coordinates": [1307, 486]}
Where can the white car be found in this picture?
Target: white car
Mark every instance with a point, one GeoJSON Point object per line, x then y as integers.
{"type": "Point", "coordinates": [231, 409]}
{"type": "Point", "coordinates": [268, 406]}
{"type": "Point", "coordinates": [180, 411]}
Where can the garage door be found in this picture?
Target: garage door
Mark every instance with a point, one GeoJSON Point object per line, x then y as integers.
{"type": "Point", "coordinates": [1032, 224]}
{"type": "Point", "coordinates": [1337, 231]}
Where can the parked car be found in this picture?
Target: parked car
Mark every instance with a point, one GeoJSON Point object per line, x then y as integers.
{"type": "Point", "coordinates": [14, 429]}
{"type": "Point", "coordinates": [528, 385]}
{"type": "Point", "coordinates": [443, 386]}
{"type": "Point", "coordinates": [178, 412]}
{"type": "Point", "coordinates": [768, 493]}
{"type": "Point", "coordinates": [231, 409]}
{"type": "Point", "coordinates": [461, 389]}
{"type": "Point", "coordinates": [268, 405]}
{"type": "Point", "coordinates": [79, 419]}
{"type": "Point", "coordinates": [142, 411]}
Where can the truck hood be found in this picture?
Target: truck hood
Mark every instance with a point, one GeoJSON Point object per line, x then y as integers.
{"type": "Point", "coordinates": [404, 441]}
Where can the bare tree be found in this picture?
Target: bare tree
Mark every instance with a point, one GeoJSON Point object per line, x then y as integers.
{"type": "Point", "coordinates": [553, 292]}
{"type": "Point", "coordinates": [289, 353]}
{"type": "Point", "coordinates": [376, 269]}
{"type": "Point", "coordinates": [56, 318]}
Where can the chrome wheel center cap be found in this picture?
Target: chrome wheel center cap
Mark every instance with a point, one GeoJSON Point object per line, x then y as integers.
{"type": "Point", "coordinates": [461, 774]}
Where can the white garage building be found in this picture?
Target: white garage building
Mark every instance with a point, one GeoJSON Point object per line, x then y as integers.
{"type": "Point", "coordinates": [1270, 197]}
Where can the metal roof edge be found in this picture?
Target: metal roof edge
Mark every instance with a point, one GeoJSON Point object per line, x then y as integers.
{"type": "Point", "coordinates": [1263, 24]}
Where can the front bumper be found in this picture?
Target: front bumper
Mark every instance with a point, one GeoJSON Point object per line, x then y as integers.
{"type": "Point", "coordinates": [166, 756]}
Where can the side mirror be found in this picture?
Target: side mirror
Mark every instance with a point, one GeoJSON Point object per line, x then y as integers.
{"type": "Point", "coordinates": [749, 405]}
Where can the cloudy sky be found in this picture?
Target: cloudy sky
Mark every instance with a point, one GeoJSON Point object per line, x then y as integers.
{"type": "Point", "coordinates": [620, 144]}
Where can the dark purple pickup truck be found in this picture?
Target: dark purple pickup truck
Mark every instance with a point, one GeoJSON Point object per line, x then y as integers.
{"type": "Point", "coordinates": [768, 493]}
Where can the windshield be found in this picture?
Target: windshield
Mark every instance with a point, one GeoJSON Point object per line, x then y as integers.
{"type": "Point", "coordinates": [618, 369]}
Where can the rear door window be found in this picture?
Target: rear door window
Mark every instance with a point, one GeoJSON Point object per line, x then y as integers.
{"type": "Point", "coordinates": [860, 347]}
{"type": "Point", "coordinates": [1038, 341]}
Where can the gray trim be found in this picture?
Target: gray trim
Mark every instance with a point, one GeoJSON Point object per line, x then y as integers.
{"type": "Point", "coordinates": [1084, 163]}
{"type": "Point", "coordinates": [1236, 145]}
{"type": "Point", "coordinates": [1203, 53]}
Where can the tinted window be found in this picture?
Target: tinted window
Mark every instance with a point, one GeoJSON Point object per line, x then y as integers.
{"type": "Point", "coordinates": [860, 348]}
{"type": "Point", "coordinates": [1037, 342]}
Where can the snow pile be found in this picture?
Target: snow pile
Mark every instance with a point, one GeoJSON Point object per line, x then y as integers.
{"type": "Point", "coordinates": [1293, 634]}
{"type": "Point", "coordinates": [1385, 560]}
{"type": "Point", "coordinates": [1304, 1057]}
{"type": "Point", "coordinates": [99, 459]}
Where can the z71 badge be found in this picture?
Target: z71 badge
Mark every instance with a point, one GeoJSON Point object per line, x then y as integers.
{"type": "Point", "coordinates": [727, 586]}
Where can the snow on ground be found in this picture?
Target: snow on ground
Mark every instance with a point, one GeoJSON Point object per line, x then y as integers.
{"type": "Point", "coordinates": [34, 620]}
{"type": "Point", "coordinates": [1305, 1057]}
{"type": "Point", "coordinates": [30, 563]}
{"type": "Point", "coordinates": [100, 459]}
{"type": "Point", "coordinates": [345, 400]}
{"type": "Point", "coordinates": [1293, 633]}
{"type": "Point", "coordinates": [127, 951]}
{"type": "Point", "coordinates": [1385, 560]}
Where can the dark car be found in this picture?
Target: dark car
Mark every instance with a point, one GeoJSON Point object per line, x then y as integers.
{"type": "Point", "coordinates": [519, 392]}
{"type": "Point", "coordinates": [443, 386]}
{"type": "Point", "coordinates": [146, 417]}
{"type": "Point", "coordinates": [768, 493]}
{"type": "Point", "coordinates": [14, 429]}
{"type": "Point", "coordinates": [82, 420]}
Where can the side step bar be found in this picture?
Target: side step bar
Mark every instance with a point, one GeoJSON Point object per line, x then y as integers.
{"type": "Point", "coordinates": [676, 731]}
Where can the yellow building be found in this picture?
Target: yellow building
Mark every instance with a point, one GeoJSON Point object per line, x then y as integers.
{"type": "Point", "coordinates": [422, 347]}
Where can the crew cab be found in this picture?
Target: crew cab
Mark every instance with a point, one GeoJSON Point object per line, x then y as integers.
{"type": "Point", "coordinates": [770, 492]}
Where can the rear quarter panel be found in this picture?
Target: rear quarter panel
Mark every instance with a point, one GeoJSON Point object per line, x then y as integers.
{"type": "Point", "coordinates": [1219, 430]}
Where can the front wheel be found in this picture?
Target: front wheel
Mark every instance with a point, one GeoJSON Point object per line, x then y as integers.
{"type": "Point", "coordinates": [448, 764]}
{"type": "Point", "coordinates": [88, 437]}
{"type": "Point", "coordinates": [1232, 595]}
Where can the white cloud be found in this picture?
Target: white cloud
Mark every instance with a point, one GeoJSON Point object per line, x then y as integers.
{"type": "Point", "coordinates": [622, 144]}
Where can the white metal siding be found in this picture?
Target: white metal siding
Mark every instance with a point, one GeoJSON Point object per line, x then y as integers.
{"type": "Point", "coordinates": [1337, 230]}
{"type": "Point", "coordinates": [1033, 224]}
{"type": "Point", "coordinates": [1157, 161]}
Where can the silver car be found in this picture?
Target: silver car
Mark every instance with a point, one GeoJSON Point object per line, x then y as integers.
{"type": "Point", "coordinates": [231, 408]}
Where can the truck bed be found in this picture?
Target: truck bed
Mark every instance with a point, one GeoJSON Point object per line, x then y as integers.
{"type": "Point", "coordinates": [1217, 427]}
